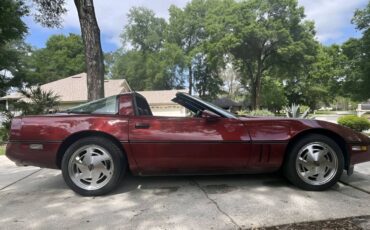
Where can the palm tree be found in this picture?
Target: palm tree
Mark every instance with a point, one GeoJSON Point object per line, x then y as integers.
{"type": "Point", "coordinates": [37, 101]}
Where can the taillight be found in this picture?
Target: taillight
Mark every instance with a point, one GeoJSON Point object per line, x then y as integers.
{"type": "Point", "coordinates": [15, 128]}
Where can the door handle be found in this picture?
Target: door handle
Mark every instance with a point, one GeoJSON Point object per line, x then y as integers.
{"type": "Point", "coordinates": [142, 125]}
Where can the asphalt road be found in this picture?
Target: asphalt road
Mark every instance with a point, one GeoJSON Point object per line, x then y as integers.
{"type": "Point", "coordinates": [33, 198]}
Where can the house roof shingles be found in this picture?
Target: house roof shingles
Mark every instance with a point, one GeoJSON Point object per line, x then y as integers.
{"type": "Point", "coordinates": [74, 88]}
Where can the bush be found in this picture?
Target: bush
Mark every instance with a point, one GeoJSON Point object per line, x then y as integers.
{"type": "Point", "coordinates": [3, 135]}
{"type": "Point", "coordinates": [262, 113]}
{"type": "Point", "coordinates": [356, 123]}
{"type": "Point", "coordinates": [242, 112]}
{"type": "Point", "coordinates": [296, 111]}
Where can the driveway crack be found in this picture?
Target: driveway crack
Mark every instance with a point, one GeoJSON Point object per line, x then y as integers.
{"type": "Point", "coordinates": [6, 186]}
{"type": "Point", "coordinates": [354, 187]}
{"type": "Point", "coordinates": [216, 204]}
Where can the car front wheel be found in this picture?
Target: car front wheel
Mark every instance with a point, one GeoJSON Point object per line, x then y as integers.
{"type": "Point", "coordinates": [93, 166]}
{"type": "Point", "coordinates": [314, 163]}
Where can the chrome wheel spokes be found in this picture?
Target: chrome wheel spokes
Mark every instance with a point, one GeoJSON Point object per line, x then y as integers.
{"type": "Point", "coordinates": [316, 163]}
{"type": "Point", "coordinates": [91, 167]}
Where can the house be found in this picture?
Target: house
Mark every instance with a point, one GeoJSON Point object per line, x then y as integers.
{"type": "Point", "coordinates": [73, 91]}
{"type": "Point", "coordinates": [161, 105]}
{"type": "Point", "coordinates": [363, 108]}
{"type": "Point", "coordinates": [228, 104]}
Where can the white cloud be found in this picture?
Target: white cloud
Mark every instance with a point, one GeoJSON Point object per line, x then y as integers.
{"type": "Point", "coordinates": [111, 14]}
{"type": "Point", "coordinates": [332, 18]}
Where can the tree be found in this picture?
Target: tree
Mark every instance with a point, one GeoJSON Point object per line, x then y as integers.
{"type": "Point", "coordinates": [12, 31]}
{"type": "Point", "coordinates": [273, 95]}
{"type": "Point", "coordinates": [64, 55]}
{"type": "Point", "coordinates": [187, 31]}
{"type": "Point", "coordinates": [319, 81]}
{"type": "Point", "coordinates": [357, 51]}
{"type": "Point", "coordinates": [151, 63]}
{"type": "Point", "coordinates": [109, 59]}
{"type": "Point", "coordinates": [207, 80]}
{"type": "Point", "coordinates": [144, 30]}
{"type": "Point", "coordinates": [11, 24]}
{"type": "Point", "coordinates": [161, 55]}
{"type": "Point", "coordinates": [50, 12]}
{"type": "Point", "coordinates": [260, 35]}
{"type": "Point", "coordinates": [152, 71]}
{"type": "Point", "coordinates": [129, 65]}
{"type": "Point", "coordinates": [361, 18]}
{"type": "Point", "coordinates": [231, 80]}
{"type": "Point", "coordinates": [37, 101]}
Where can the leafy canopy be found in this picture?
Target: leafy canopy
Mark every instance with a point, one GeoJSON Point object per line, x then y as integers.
{"type": "Point", "coordinates": [62, 57]}
{"type": "Point", "coordinates": [12, 31]}
{"type": "Point", "coordinates": [262, 35]}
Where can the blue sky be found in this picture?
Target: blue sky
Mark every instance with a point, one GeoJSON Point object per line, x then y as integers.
{"type": "Point", "coordinates": [332, 19]}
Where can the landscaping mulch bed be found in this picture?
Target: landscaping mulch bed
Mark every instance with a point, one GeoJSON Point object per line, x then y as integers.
{"type": "Point", "coordinates": [351, 223]}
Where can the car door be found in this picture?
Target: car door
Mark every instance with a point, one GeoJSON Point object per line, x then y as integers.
{"type": "Point", "coordinates": [188, 145]}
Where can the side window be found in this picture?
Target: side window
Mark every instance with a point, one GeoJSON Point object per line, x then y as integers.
{"type": "Point", "coordinates": [143, 108]}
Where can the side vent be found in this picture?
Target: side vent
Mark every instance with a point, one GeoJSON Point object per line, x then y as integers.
{"type": "Point", "coordinates": [264, 153]}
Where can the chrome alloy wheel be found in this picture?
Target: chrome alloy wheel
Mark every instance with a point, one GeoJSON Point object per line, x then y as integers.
{"type": "Point", "coordinates": [91, 167]}
{"type": "Point", "coordinates": [316, 163]}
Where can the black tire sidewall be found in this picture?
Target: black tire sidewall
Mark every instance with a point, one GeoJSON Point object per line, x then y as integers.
{"type": "Point", "coordinates": [118, 159]}
{"type": "Point", "coordinates": [291, 173]}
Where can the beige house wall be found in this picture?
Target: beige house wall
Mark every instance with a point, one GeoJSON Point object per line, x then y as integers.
{"type": "Point", "coordinates": [168, 110]}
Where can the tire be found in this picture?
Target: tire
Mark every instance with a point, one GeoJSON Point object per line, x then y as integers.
{"type": "Point", "coordinates": [314, 163]}
{"type": "Point", "coordinates": [93, 166]}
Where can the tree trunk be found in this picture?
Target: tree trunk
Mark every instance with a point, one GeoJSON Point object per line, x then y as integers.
{"type": "Point", "coordinates": [93, 52]}
{"type": "Point", "coordinates": [256, 92]}
{"type": "Point", "coordinates": [253, 97]}
{"type": "Point", "coordinates": [190, 80]}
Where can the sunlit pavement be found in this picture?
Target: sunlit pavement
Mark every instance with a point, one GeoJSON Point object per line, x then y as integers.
{"type": "Point", "coordinates": [34, 198]}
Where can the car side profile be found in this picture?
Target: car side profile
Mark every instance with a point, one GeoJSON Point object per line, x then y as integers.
{"type": "Point", "coordinates": [96, 143]}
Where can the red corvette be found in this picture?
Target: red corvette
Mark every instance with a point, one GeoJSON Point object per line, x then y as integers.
{"type": "Point", "coordinates": [96, 143]}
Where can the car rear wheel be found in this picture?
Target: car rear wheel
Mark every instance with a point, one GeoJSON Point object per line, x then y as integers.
{"type": "Point", "coordinates": [314, 163]}
{"type": "Point", "coordinates": [93, 166]}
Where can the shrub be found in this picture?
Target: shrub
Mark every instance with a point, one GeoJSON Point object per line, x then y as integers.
{"type": "Point", "coordinates": [356, 123]}
{"type": "Point", "coordinates": [35, 101]}
{"type": "Point", "coordinates": [262, 113]}
{"type": "Point", "coordinates": [242, 112]}
{"type": "Point", "coordinates": [5, 126]}
{"type": "Point", "coordinates": [294, 111]}
{"type": "Point", "coordinates": [3, 134]}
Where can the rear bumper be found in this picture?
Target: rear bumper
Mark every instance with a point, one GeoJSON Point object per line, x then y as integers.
{"type": "Point", "coordinates": [22, 154]}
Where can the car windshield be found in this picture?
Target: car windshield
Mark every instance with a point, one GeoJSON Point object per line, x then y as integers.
{"type": "Point", "coordinates": [107, 105]}
{"type": "Point", "coordinates": [220, 110]}
{"type": "Point", "coordinates": [195, 104]}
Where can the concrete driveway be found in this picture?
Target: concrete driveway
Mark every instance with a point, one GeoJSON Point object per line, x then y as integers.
{"type": "Point", "coordinates": [38, 198]}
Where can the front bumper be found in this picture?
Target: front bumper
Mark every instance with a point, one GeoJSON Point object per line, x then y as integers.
{"type": "Point", "coordinates": [359, 156]}
{"type": "Point", "coordinates": [21, 153]}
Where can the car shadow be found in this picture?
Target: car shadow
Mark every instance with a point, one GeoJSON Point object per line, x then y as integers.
{"type": "Point", "coordinates": [212, 184]}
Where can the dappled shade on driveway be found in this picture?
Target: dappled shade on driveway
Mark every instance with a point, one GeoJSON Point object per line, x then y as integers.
{"type": "Point", "coordinates": [182, 202]}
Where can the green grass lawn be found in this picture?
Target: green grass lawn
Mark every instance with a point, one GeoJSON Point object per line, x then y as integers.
{"type": "Point", "coordinates": [2, 150]}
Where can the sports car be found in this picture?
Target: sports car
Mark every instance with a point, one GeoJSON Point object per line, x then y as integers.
{"type": "Point", "coordinates": [96, 143]}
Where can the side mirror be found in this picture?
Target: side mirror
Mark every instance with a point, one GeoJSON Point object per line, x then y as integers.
{"type": "Point", "coordinates": [210, 116]}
